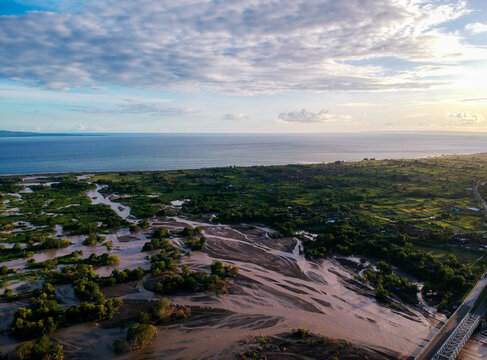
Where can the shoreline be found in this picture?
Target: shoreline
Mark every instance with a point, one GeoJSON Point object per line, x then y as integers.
{"type": "Point", "coordinates": [102, 172]}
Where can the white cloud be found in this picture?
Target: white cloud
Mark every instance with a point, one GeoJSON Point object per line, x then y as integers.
{"type": "Point", "coordinates": [475, 101]}
{"type": "Point", "coordinates": [160, 109]}
{"type": "Point", "coordinates": [231, 46]}
{"type": "Point", "coordinates": [83, 128]}
{"type": "Point", "coordinates": [476, 28]}
{"type": "Point", "coordinates": [234, 117]}
{"type": "Point", "coordinates": [358, 104]}
{"type": "Point", "coordinates": [136, 107]}
{"type": "Point", "coordinates": [410, 116]}
{"type": "Point", "coordinates": [464, 118]}
{"type": "Point", "coordinates": [305, 116]}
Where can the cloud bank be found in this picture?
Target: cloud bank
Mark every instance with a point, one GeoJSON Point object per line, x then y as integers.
{"type": "Point", "coordinates": [235, 46]}
{"type": "Point", "coordinates": [234, 117]}
{"type": "Point", "coordinates": [136, 107]}
{"type": "Point", "coordinates": [465, 118]}
{"type": "Point", "coordinates": [305, 116]}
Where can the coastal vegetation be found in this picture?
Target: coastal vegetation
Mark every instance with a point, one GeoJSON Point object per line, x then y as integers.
{"type": "Point", "coordinates": [418, 223]}
{"type": "Point", "coordinates": [421, 216]}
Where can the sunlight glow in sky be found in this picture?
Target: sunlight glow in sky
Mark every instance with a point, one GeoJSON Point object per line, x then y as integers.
{"type": "Point", "coordinates": [243, 66]}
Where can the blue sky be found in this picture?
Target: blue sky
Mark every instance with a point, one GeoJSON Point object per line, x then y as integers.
{"type": "Point", "coordinates": [243, 66]}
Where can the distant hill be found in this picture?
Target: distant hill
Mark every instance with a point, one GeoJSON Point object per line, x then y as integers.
{"type": "Point", "coordinates": [4, 133]}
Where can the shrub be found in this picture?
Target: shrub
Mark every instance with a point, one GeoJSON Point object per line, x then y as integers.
{"type": "Point", "coordinates": [42, 349]}
{"type": "Point", "coordinates": [157, 243]}
{"type": "Point", "coordinates": [43, 316]}
{"type": "Point", "coordinates": [93, 312]}
{"type": "Point", "coordinates": [380, 292]}
{"type": "Point", "coordinates": [88, 290]}
{"type": "Point", "coordinates": [93, 239]}
{"type": "Point", "coordinates": [162, 309]}
{"type": "Point", "coordinates": [118, 346]}
{"type": "Point", "coordinates": [140, 335]}
{"type": "Point", "coordinates": [302, 333]}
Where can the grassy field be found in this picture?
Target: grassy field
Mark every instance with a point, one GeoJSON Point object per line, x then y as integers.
{"type": "Point", "coordinates": [465, 256]}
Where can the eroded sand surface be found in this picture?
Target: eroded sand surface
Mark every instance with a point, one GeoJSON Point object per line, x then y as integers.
{"type": "Point", "coordinates": [474, 349]}
{"type": "Point", "coordinates": [276, 290]}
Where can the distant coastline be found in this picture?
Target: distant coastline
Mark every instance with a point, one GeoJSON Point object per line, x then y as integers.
{"type": "Point", "coordinates": [158, 152]}
{"type": "Point", "coordinates": [149, 171]}
{"type": "Point", "coordinates": [5, 133]}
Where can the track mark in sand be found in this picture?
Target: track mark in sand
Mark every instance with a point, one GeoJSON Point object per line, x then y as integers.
{"type": "Point", "coordinates": [407, 316]}
{"type": "Point", "coordinates": [323, 302]}
{"type": "Point", "coordinates": [338, 274]}
{"type": "Point", "coordinates": [256, 301]}
{"type": "Point", "coordinates": [243, 305]}
{"type": "Point", "coordinates": [229, 320]}
{"type": "Point", "coordinates": [201, 298]}
{"type": "Point", "coordinates": [317, 278]}
{"type": "Point", "coordinates": [341, 299]}
{"type": "Point", "coordinates": [290, 288]}
{"type": "Point", "coordinates": [303, 285]}
{"type": "Point", "coordinates": [199, 318]}
{"type": "Point", "coordinates": [393, 323]}
{"type": "Point", "coordinates": [288, 299]}
{"type": "Point", "coordinates": [251, 322]}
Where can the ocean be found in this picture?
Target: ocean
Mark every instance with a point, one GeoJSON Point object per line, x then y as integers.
{"type": "Point", "coordinates": [112, 152]}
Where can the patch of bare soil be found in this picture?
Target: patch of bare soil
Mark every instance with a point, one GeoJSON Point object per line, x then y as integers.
{"type": "Point", "coordinates": [120, 290]}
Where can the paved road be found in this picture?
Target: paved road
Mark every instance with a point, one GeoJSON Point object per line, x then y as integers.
{"type": "Point", "coordinates": [477, 194]}
{"type": "Point", "coordinates": [432, 347]}
{"type": "Point", "coordinates": [439, 339]}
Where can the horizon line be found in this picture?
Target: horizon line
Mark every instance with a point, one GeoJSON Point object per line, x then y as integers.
{"type": "Point", "coordinates": [244, 133]}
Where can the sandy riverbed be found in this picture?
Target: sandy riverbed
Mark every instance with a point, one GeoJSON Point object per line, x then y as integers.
{"type": "Point", "coordinates": [276, 290]}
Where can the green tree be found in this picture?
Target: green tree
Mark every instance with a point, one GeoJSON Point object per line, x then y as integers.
{"type": "Point", "coordinates": [140, 335]}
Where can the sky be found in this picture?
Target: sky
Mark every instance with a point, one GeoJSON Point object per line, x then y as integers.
{"type": "Point", "coordinates": [246, 66]}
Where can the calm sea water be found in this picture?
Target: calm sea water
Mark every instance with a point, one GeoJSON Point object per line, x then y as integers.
{"type": "Point", "coordinates": [34, 155]}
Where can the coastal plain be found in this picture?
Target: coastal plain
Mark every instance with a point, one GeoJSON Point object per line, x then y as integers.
{"type": "Point", "coordinates": [346, 260]}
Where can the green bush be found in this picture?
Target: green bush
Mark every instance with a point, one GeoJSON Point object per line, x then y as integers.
{"type": "Point", "coordinates": [302, 333]}
{"type": "Point", "coordinates": [43, 316]}
{"type": "Point", "coordinates": [93, 312]}
{"type": "Point", "coordinates": [118, 346]}
{"type": "Point", "coordinates": [93, 239]}
{"type": "Point", "coordinates": [42, 349]}
{"type": "Point", "coordinates": [140, 335]}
